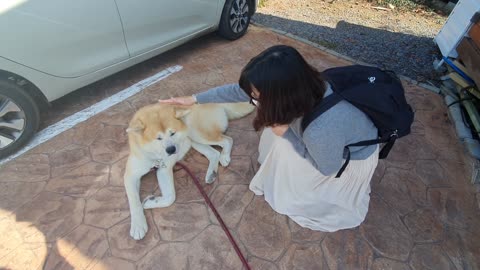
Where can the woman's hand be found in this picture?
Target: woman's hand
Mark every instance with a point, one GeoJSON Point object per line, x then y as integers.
{"type": "Point", "coordinates": [279, 130]}
{"type": "Point", "coordinates": [186, 100]}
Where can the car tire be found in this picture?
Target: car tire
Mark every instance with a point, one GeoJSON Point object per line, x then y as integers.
{"type": "Point", "coordinates": [19, 117]}
{"type": "Point", "coordinates": [235, 19]}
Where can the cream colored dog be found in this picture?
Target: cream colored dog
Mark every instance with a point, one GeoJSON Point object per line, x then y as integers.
{"type": "Point", "coordinates": [159, 135]}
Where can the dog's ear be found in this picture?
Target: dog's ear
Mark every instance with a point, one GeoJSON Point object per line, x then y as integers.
{"type": "Point", "coordinates": [136, 125]}
{"type": "Point", "coordinates": [181, 112]}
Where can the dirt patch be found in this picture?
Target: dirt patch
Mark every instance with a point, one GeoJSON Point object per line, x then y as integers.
{"type": "Point", "coordinates": [400, 40]}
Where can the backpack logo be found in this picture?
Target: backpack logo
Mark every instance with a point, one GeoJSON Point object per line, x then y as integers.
{"type": "Point", "coordinates": [371, 79]}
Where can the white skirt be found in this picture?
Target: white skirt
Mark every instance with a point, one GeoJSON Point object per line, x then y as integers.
{"type": "Point", "coordinates": [294, 187]}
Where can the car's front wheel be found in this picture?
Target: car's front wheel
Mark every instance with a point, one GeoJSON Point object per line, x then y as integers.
{"type": "Point", "coordinates": [19, 117]}
{"type": "Point", "coordinates": [235, 18]}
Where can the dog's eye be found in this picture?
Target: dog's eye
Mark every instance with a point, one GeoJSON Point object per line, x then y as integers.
{"type": "Point", "coordinates": [172, 133]}
{"type": "Point", "coordinates": [159, 138]}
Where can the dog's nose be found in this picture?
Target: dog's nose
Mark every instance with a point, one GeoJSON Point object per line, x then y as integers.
{"type": "Point", "coordinates": [171, 150]}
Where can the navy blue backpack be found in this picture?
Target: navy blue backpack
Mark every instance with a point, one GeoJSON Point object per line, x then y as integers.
{"type": "Point", "coordinates": [378, 93]}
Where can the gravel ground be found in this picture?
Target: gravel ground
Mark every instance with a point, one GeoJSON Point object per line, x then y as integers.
{"type": "Point", "coordinates": [398, 40]}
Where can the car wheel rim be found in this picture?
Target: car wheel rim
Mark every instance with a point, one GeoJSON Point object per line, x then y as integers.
{"type": "Point", "coordinates": [239, 16]}
{"type": "Point", "coordinates": [12, 122]}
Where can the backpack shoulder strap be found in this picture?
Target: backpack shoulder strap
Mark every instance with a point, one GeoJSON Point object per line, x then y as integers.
{"type": "Point", "coordinates": [326, 103]}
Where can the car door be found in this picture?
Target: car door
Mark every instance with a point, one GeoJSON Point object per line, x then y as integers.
{"type": "Point", "coordinates": [64, 38]}
{"type": "Point", "coordinates": [149, 24]}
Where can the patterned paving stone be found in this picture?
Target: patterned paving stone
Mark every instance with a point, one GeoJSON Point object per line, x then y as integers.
{"type": "Point", "coordinates": [386, 233]}
{"type": "Point", "coordinates": [255, 163]}
{"type": "Point", "coordinates": [112, 263]}
{"type": "Point", "coordinates": [15, 194]}
{"type": "Point", "coordinates": [424, 226]}
{"type": "Point", "coordinates": [430, 257]}
{"type": "Point", "coordinates": [170, 256]}
{"type": "Point", "coordinates": [303, 257]}
{"type": "Point", "coordinates": [172, 87]}
{"type": "Point", "coordinates": [440, 138]}
{"type": "Point", "coordinates": [111, 145]}
{"type": "Point", "coordinates": [404, 164]}
{"type": "Point", "coordinates": [185, 188]}
{"type": "Point", "coordinates": [116, 173]}
{"type": "Point", "coordinates": [478, 201]}
{"type": "Point", "coordinates": [245, 142]}
{"type": "Point", "coordinates": [417, 128]}
{"type": "Point", "coordinates": [459, 173]}
{"type": "Point", "coordinates": [149, 185]}
{"type": "Point", "coordinates": [240, 245]}
{"type": "Point", "coordinates": [82, 181]}
{"type": "Point", "coordinates": [259, 264]}
{"type": "Point", "coordinates": [212, 250]}
{"type": "Point", "coordinates": [181, 222]}
{"type": "Point", "coordinates": [245, 123]}
{"type": "Point", "coordinates": [455, 208]}
{"type": "Point", "coordinates": [463, 248]}
{"type": "Point", "coordinates": [86, 132]}
{"type": "Point", "coordinates": [61, 141]}
{"type": "Point", "coordinates": [301, 235]}
{"type": "Point", "coordinates": [230, 202]}
{"type": "Point", "coordinates": [107, 207]}
{"type": "Point", "coordinates": [346, 249]}
{"type": "Point", "coordinates": [453, 153]}
{"type": "Point", "coordinates": [264, 232]}
{"type": "Point", "coordinates": [436, 118]}
{"type": "Point", "coordinates": [68, 158]}
{"type": "Point", "coordinates": [196, 163]}
{"type": "Point", "coordinates": [49, 216]}
{"type": "Point", "coordinates": [122, 245]}
{"type": "Point", "coordinates": [410, 148]}
{"type": "Point", "coordinates": [79, 249]}
{"type": "Point", "coordinates": [26, 256]}
{"type": "Point", "coordinates": [431, 173]}
{"type": "Point", "coordinates": [214, 78]}
{"type": "Point", "coordinates": [384, 264]}
{"type": "Point", "coordinates": [239, 171]}
{"type": "Point", "coordinates": [421, 104]}
{"type": "Point", "coordinates": [26, 168]}
{"type": "Point", "coordinates": [141, 99]}
{"type": "Point", "coordinates": [402, 190]}
{"type": "Point", "coordinates": [119, 114]}
{"type": "Point", "coordinates": [378, 174]}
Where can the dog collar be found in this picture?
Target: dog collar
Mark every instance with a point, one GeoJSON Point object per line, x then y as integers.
{"type": "Point", "coordinates": [159, 163]}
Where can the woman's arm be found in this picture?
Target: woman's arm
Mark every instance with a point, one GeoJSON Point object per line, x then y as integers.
{"type": "Point", "coordinates": [223, 94]}
{"type": "Point", "coordinates": [322, 145]}
{"type": "Point", "coordinates": [325, 147]}
{"type": "Point", "coordinates": [228, 93]}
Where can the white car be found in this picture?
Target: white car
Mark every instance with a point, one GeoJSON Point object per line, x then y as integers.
{"type": "Point", "coordinates": [50, 48]}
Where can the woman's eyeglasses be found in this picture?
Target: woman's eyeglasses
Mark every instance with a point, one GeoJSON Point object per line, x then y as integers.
{"type": "Point", "coordinates": [254, 99]}
{"type": "Point", "coordinates": [254, 102]}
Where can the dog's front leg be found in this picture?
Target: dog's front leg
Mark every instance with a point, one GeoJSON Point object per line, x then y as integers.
{"type": "Point", "coordinates": [167, 186]}
{"type": "Point", "coordinates": [133, 174]}
{"type": "Point", "coordinates": [213, 157]}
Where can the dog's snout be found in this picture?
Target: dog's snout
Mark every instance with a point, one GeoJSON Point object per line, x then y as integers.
{"type": "Point", "coordinates": [171, 150]}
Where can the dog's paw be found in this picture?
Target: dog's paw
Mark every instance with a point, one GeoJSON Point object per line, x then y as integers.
{"type": "Point", "coordinates": [211, 177]}
{"type": "Point", "coordinates": [138, 227]}
{"type": "Point", "coordinates": [225, 160]}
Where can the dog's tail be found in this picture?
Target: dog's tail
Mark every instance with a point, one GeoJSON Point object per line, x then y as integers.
{"type": "Point", "coordinates": [238, 110]}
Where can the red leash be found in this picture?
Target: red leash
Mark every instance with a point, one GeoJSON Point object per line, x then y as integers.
{"type": "Point", "coordinates": [220, 220]}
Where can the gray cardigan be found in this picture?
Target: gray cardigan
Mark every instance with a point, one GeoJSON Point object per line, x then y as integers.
{"type": "Point", "coordinates": [324, 140]}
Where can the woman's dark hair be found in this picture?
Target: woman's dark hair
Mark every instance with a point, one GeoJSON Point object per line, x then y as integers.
{"type": "Point", "coordinates": [289, 87]}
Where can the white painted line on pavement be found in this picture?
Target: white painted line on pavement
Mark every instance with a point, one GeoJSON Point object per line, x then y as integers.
{"type": "Point", "coordinates": [83, 115]}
